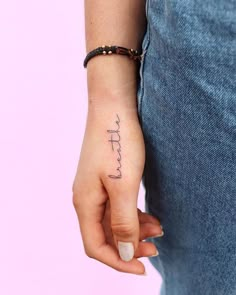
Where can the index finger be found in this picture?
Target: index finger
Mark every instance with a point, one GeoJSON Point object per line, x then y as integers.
{"type": "Point", "coordinates": [90, 217]}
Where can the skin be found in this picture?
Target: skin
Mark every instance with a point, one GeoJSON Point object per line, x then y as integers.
{"type": "Point", "coordinates": [113, 143]}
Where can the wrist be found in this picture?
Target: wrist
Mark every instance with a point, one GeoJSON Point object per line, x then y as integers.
{"type": "Point", "coordinates": [104, 106]}
{"type": "Point", "coordinates": [112, 76]}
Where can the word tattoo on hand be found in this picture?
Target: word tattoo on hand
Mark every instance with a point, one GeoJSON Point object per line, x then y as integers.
{"type": "Point", "coordinates": [116, 147]}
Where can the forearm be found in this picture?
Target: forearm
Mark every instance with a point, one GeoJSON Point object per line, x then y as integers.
{"type": "Point", "coordinates": [113, 22]}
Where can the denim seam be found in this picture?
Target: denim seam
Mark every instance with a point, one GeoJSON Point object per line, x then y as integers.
{"type": "Point", "coordinates": [145, 48]}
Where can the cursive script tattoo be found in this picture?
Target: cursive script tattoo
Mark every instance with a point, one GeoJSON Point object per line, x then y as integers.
{"type": "Point", "coordinates": [116, 146]}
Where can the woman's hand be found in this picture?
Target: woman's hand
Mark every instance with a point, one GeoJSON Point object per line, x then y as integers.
{"type": "Point", "coordinates": [106, 187]}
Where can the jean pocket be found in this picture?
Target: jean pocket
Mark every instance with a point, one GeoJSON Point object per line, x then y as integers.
{"type": "Point", "coordinates": [145, 44]}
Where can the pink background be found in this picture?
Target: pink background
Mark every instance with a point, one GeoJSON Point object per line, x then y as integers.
{"type": "Point", "coordinates": [42, 118]}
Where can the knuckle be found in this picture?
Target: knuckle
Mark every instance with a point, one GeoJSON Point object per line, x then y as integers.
{"type": "Point", "coordinates": [88, 253]}
{"type": "Point", "coordinates": [123, 229]}
{"type": "Point", "coordinates": [73, 186]}
{"type": "Point", "coordinates": [76, 201]}
{"type": "Point", "coordinates": [78, 196]}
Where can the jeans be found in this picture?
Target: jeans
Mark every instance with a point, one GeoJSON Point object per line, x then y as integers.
{"type": "Point", "coordinates": [187, 110]}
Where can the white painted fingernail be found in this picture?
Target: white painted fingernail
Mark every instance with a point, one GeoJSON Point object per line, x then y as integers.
{"type": "Point", "coordinates": [159, 235]}
{"type": "Point", "coordinates": [126, 250]}
{"type": "Point", "coordinates": [143, 274]}
{"type": "Point", "coordinates": [156, 254]}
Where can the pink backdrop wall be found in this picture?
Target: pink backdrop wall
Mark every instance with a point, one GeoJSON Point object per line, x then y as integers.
{"type": "Point", "coordinates": [42, 117]}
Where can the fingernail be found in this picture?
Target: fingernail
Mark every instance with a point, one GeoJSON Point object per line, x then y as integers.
{"type": "Point", "coordinates": [143, 274]}
{"type": "Point", "coordinates": [159, 235]}
{"type": "Point", "coordinates": [157, 253]}
{"type": "Point", "coordinates": [126, 250]}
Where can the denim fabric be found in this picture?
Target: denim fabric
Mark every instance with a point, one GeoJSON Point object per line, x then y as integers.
{"type": "Point", "coordinates": [187, 109]}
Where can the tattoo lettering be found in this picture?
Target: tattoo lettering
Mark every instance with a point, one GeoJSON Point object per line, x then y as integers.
{"type": "Point", "coordinates": [116, 147]}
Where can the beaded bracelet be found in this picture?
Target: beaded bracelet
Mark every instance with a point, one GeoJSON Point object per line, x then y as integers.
{"type": "Point", "coordinates": [110, 49]}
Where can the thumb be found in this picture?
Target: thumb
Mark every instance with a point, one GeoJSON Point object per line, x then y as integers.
{"type": "Point", "coordinates": [125, 225]}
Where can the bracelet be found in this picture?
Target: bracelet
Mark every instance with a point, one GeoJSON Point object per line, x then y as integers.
{"type": "Point", "coordinates": [110, 49]}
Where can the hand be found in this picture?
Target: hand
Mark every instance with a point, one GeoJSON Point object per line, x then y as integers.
{"type": "Point", "coordinates": [105, 190]}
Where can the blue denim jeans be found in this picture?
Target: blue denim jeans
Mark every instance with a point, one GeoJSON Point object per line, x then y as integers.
{"type": "Point", "coordinates": [187, 110]}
